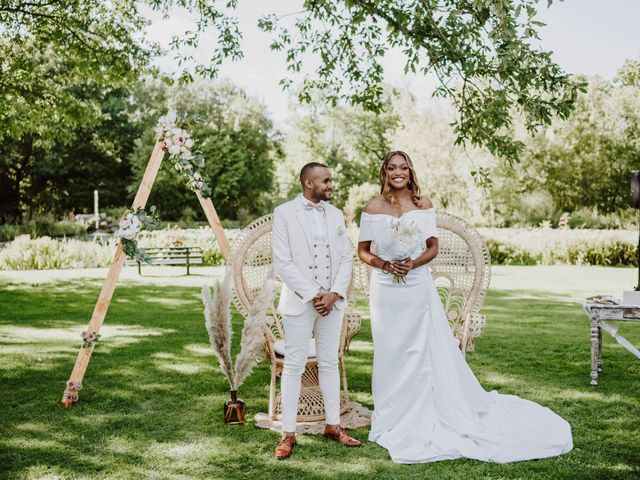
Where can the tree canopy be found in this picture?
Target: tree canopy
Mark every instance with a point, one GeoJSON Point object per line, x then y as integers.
{"type": "Point", "coordinates": [483, 53]}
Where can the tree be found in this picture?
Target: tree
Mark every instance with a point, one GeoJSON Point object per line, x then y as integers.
{"type": "Point", "coordinates": [350, 140]}
{"type": "Point", "coordinates": [66, 65]}
{"type": "Point", "coordinates": [482, 51]}
{"type": "Point", "coordinates": [237, 139]}
{"type": "Point", "coordinates": [54, 155]}
{"type": "Point", "coordinates": [585, 160]}
{"type": "Point", "coordinates": [49, 47]}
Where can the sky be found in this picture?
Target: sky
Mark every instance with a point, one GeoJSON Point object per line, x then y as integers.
{"type": "Point", "coordinates": [591, 37]}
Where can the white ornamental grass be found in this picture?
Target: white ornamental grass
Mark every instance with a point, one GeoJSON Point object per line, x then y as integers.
{"type": "Point", "coordinates": [46, 253]}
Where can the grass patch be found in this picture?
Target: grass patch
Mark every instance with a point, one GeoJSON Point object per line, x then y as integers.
{"type": "Point", "coordinates": [152, 403]}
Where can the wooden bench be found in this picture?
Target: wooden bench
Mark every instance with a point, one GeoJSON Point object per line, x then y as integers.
{"type": "Point", "coordinates": [171, 256]}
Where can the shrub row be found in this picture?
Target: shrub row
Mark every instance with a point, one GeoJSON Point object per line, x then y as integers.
{"type": "Point", "coordinates": [44, 253]}
{"type": "Point", "coordinates": [508, 246]}
{"type": "Point", "coordinates": [523, 246]}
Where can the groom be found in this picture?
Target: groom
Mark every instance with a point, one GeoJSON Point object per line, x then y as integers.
{"type": "Point", "coordinates": [313, 257]}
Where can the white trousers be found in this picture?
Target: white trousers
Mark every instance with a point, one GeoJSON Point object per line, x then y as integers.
{"type": "Point", "coordinates": [326, 331]}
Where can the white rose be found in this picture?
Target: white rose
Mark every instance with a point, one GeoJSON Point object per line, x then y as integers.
{"type": "Point", "coordinates": [187, 154]}
{"type": "Point", "coordinates": [171, 117]}
{"type": "Point", "coordinates": [135, 223]}
{"type": "Point", "coordinates": [174, 149]}
{"type": "Point", "coordinates": [189, 143]}
{"type": "Point", "coordinates": [176, 131]}
{"type": "Point", "coordinates": [126, 221]}
{"type": "Point", "coordinates": [127, 233]}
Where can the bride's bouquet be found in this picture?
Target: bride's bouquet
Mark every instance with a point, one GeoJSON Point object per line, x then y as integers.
{"type": "Point", "coordinates": [405, 237]}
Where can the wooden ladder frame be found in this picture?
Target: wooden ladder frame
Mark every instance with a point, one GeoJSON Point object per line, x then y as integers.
{"type": "Point", "coordinates": [74, 384]}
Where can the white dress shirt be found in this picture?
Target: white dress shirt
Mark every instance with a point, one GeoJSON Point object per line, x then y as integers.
{"type": "Point", "coordinates": [317, 220]}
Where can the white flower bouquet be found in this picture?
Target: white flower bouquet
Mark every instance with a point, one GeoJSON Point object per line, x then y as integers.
{"type": "Point", "coordinates": [130, 224]}
{"type": "Point", "coordinates": [405, 236]}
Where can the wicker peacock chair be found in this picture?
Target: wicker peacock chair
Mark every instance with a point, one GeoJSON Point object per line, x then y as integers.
{"type": "Point", "coordinates": [251, 260]}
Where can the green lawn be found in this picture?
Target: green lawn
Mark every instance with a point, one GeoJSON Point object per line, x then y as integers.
{"type": "Point", "coordinates": [152, 403]}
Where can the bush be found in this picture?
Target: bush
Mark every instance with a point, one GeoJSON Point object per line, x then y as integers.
{"type": "Point", "coordinates": [44, 253]}
{"type": "Point", "coordinates": [504, 254]}
{"type": "Point", "coordinates": [588, 217]}
{"type": "Point", "coordinates": [42, 226]}
{"type": "Point", "coordinates": [8, 232]}
{"type": "Point", "coordinates": [507, 246]}
{"type": "Point", "coordinates": [358, 198]}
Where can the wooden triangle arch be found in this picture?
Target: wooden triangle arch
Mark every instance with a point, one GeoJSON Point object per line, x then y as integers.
{"type": "Point", "coordinates": [74, 384]}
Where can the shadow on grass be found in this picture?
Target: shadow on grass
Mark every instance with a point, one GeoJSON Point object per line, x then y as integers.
{"type": "Point", "coordinates": [152, 406]}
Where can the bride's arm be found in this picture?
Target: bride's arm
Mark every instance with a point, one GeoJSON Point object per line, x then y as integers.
{"type": "Point", "coordinates": [429, 254]}
{"type": "Point", "coordinates": [364, 254]}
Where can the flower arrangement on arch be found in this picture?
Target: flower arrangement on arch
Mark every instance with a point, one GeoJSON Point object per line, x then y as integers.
{"type": "Point", "coordinates": [177, 141]}
{"type": "Point", "coordinates": [89, 339]}
{"type": "Point", "coordinates": [132, 222]}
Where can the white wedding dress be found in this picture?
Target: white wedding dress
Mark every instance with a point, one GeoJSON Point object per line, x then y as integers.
{"type": "Point", "coordinates": [428, 405]}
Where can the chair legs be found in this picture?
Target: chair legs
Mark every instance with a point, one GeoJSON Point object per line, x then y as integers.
{"type": "Point", "coordinates": [310, 405]}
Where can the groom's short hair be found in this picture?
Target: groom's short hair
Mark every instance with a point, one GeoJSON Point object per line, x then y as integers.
{"type": "Point", "coordinates": [304, 172]}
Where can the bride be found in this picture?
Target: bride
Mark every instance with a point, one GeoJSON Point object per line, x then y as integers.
{"type": "Point", "coordinates": [428, 405]}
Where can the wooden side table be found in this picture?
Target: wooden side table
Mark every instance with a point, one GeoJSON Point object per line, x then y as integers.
{"type": "Point", "coordinates": [606, 316]}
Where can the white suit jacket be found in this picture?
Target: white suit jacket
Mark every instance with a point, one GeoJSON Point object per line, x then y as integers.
{"type": "Point", "coordinates": [293, 260]}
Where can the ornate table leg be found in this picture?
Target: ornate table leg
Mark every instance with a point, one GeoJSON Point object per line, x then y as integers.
{"type": "Point", "coordinates": [595, 348]}
{"type": "Point", "coordinates": [599, 349]}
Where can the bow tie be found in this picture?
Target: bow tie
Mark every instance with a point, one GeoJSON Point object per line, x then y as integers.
{"type": "Point", "coordinates": [314, 206]}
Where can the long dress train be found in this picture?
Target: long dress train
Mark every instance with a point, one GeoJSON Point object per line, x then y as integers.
{"type": "Point", "coordinates": [428, 405]}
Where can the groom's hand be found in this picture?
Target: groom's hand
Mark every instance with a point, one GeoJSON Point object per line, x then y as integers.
{"type": "Point", "coordinates": [324, 302]}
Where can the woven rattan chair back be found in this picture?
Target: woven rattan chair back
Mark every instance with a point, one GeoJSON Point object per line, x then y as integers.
{"type": "Point", "coordinates": [461, 272]}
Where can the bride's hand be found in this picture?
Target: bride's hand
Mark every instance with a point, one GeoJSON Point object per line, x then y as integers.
{"type": "Point", "coordinates": [403, 267]}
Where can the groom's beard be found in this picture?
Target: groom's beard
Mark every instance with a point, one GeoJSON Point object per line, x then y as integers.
{"type": "Point", "coordinates": [324, 195]}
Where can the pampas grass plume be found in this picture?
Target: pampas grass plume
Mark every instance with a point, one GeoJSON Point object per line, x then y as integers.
{"type": "Point", "coordinates": [218, 322]}
{"type": "Point", "coordinates": [252, 338]}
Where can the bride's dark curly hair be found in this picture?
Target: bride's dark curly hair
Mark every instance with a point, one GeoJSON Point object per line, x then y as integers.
{"type": "Point", "coordinates": [412, 185]}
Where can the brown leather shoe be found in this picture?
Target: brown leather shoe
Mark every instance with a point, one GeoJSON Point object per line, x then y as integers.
{"type": "Point", "coordinates": [340, 435]}
{"type": "Point", "coordinates": [285, 446]}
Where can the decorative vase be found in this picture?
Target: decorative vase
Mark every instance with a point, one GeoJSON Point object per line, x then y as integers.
{"type": "Point", "coordinates": [234, 412]}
